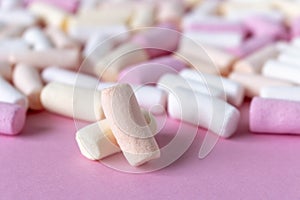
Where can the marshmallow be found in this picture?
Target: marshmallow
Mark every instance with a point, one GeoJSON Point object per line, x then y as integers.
{"type": "Point", "coordinates": [11, 4]}
{"type": "Point", "coordinates": [48, 13]}
{"type": "Point", "coordinates": [27, 79]}
{"type": "Point", "coordinates": [201, 110]}
{"type": "Point", "coordinates": [295, 27]}
{"type": "Point", "coordinates": [11, 31]}
{"type": "Point", "coordinates": [12, 118]}
{"type": "Point", "coordinates": [96, 141]}
{"type": "Point", "coordinates": [11, 95]}
{"type": "Point", "coordinates": [37, 38]}
{"type": "Point", "coordinates": [281, 92]}
{"type": "Point", "coordinates": [234, 91]}
{"type": "Point", "coordinates": [254, 62]}
{"type": "Point", "coordinates": [251, 45]}
{"type": "Point", "coordinates": [158, 41]}
{"type": "Point", "coordinates": [65, 58]}
{"type": "Point", "coordinates": [56, 74]}
{"type": "Point", "coordinates": [125, 55]}
{"type": "Point", "coordinates": [205, 58]}
{"type": "Point", "coordinates": [151, 71]}
{"type": "Point", "coordinates": [60, 39]}
{"type": "Point", "coordinates": [128, 125]}
{"type": "Point", "coordinates": [283, 71]}
{"type": "Point", "coordinates": [170, 11]}
{"type": "Point", "coordinates": [263, 26]}
{"type": "Point", "coordinates": [169, 82]}
{"type": "Point", "coordinates": [253, 83]}
{"type": "Point", "coordinates": [274, 116]}
{"type": "Point", "coordinates": [289, 59]}
{"type": "Point", "coordinates": [18, 17]}
{"type": "Point", "coordinates": [67, 5]}
{"type": "Point", "coordinates": [75, 102]}
{"type": "Point", "coordinates": [143, 15]}
{"type": "Point", "coordinates": [11, 45]}
{"type": "Point", "coordinates": [5, 70]}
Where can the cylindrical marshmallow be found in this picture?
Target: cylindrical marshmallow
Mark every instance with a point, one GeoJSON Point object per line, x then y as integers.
{"type": "Point", "coordinates": [158, 41]}
{"type": "Point", "coordinates": [65, 58]}
{"type": "Point", "coordinates": [151, 71]}
{"type": "Point", "coordinates": [67, 5]}
{"type": "Point", "coordinates": [27, 79]}
{"type": "Point", "coordinates": [5, 70]}
{"type": "Point", "coordinates": [234, 91]}
{"type": "Point", "coordinates": [60, 38]}
{"type": "Point", "coordinates": [128, 125]}
{"type": "Point", "coordinates": [56, 74]}
{"type": "Point", "coordinates": [253, 83]}
{"type": "Point", "coordinates": [254, 62]}
{"type": "Point", "coordinates": [143, 15]}
{"type": "Point", "coordinates": [37, 38]}
{"type": "Point", "coordinates": [48, 13]}
{"type": "Point", "coordinates": [151, 98]}
{"type": "Point", "coordinates": [251, 45]}
{"type": "Point", "coordinates": [201, 110]}
{"type": "Point", "coordinates": [75, 102]}
{"type": "Point", "coordinates": [274, 116]}
{"type": "Point", "coordinates": [170, 11]}
{"type": "Point", "coordinates": [124, 56]}
{"type": "Point", "coordinates": [215, 59]}
{"type": "Point", "coordinates": [18, 17]}
{"type": "Point", "coordinates": [11, 95]}
{"type": "Point", "coordinates": [96, 141]}
{"type": "Point", "coordinates": [281, 92]}
{"type": "Point", "coordinates": [11, 4]}
{"type": "Point", "coordinates": [12, 118]}
{"type": "Point", "coordinates": [289, 59]}
{"type": "Point", "coordinates": [295, 27]}
{"type": "Point", "coordinates": [282, 71]}
{"type": "Point", "coordinates": [169, 82]}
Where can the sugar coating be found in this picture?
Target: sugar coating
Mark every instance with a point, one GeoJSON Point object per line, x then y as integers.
{"type": "Point", "coordinates": [274, 116]}
{"type": "Point", "coordinates": [12, 118]}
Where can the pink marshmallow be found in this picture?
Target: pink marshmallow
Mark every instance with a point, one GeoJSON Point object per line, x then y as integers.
{"type": "Point", "coordinates": [274, 116]}
{"type": "Point", "coordinates": [67, 5]}
{"type": "Point", "coordinates": [262, 26]}
{"type": "Point", "coordinates": [158, 41]}
{"type": "Point", "coordinates": [295, 27]}
{"type": "Point", "coordinates": [151, 71]}
{"type": "Point", "coordinates": [213, 27]}
{"type": "Point", "coordinates": [251, 45]}
{"type": "Point", "coordinates": [12, 118]}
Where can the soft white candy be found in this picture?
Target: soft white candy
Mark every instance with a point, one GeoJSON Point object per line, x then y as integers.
{"type": "Point", "coordinates": [9, 94]}
{"type": "Point", "coordinates": [80, 103]}
{"type": "Point", "coordinates": [17, 17]}
{"type": "Point", "coordinates": [96, 141]}
{"type": "Point", "coordinates": [11, 4]}
{"type": "Point", "coordinates": [201, 110]}
{"type": "Point", "coordinates": [234, 91]}
{"type": "Point", "coordinates": [148, 97]}
{"type": "Point", "coordinates": [283, 71]}
{"type": "Point", "coordinates": [169, 82]}
{"type": "Point", "coordinates": [37, 38]}
{"type": "Point", "coordinates": [289, 59]}
{"type": "Point", "coordinates": [281, 92]}
{"type": "Point", "coordinates": [56, 74]}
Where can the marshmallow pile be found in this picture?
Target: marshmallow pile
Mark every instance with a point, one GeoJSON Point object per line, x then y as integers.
{"type": "Point", "coordinates": [117, 64]}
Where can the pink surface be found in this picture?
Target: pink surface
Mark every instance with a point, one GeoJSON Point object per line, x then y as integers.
{"type": "Point", "coordinates": [238, 28]}
{"type": "Point", "coordinates": [274, 116]}
{"type": "Point", "coordinates": [44, 163]}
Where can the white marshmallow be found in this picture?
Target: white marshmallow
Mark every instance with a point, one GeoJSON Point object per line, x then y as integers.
{"type": "Point", "coordinates": [281, 92]}
{"type": "Point", "coordinates": [169, 82]}
{"type": "Point", "coordinates": [289, 59]}
{"type": "Point", "coordinates": [234, 91]}
{"type": "Point", "coordinates": [37, 38]}
{"type": "Point", "coordinates": [75, 102]}
{"type": "Point", "coordinates": [11, 4]}
{"type": "Point", "coordinates": [18, 17]}
{"type": "Point", "coordinates": [283, 71]}
{"type": "Point", "coordinates": [96, 141]}
{"type": "Point", "coordinates": [201, 110]}
{"type": "Point", "coordinates": [5, 70]}
{"type": "Point", "coordinates": [11, 95]}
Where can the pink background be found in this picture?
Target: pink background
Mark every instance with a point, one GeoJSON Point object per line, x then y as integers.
{"type": "Point", "coordinates": [44, 163]}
